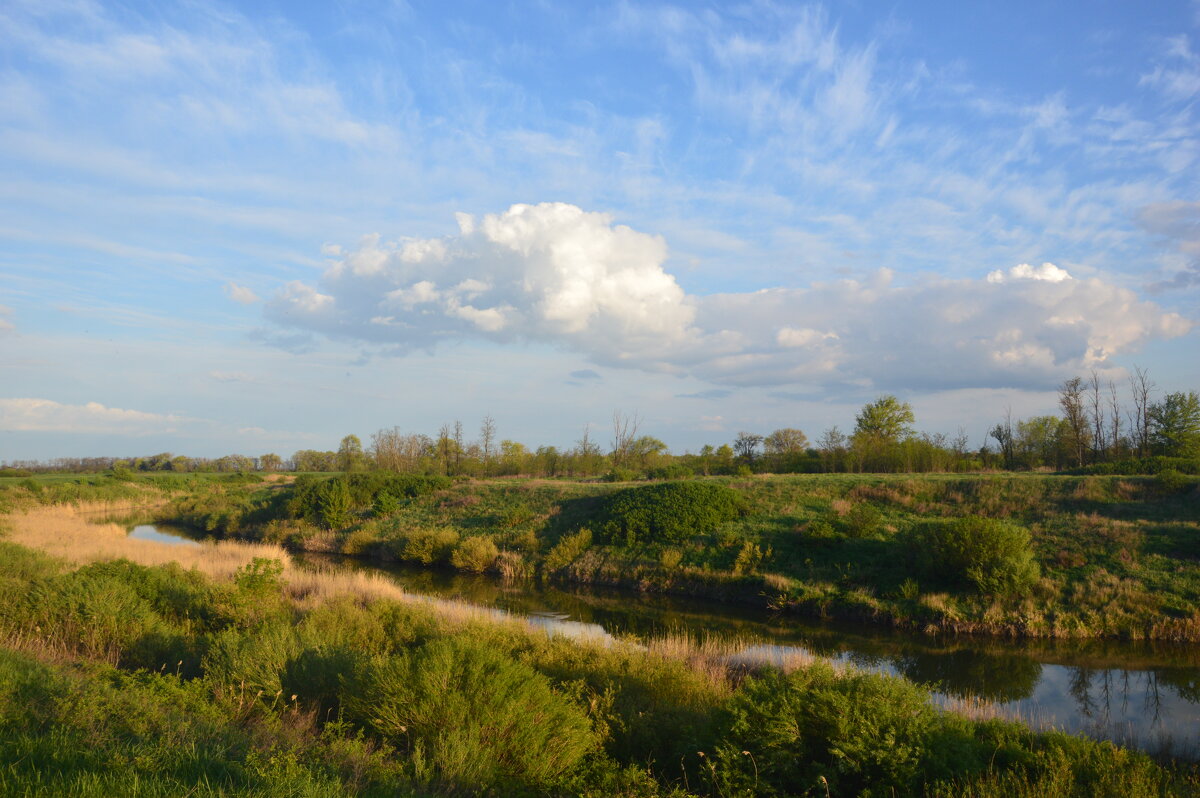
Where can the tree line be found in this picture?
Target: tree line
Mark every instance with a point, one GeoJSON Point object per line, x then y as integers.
{"type": "Point", "coordinates": [1097, 425]}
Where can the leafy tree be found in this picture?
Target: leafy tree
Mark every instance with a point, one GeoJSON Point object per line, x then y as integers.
{"type": "Point", "coordinates": [785, 441]}
{"type": "Point", "coordinates": [746, 445]}
{"type": "Point", "coordinates": [1175, 425]}
{"type": "Point", "coordinates": [350, 456]}
{"type": "Point", "coordinates": [886, 420]}
{"type": "Point", "coordinates": [1071, 400]}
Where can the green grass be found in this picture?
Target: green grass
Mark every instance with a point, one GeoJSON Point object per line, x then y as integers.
{"type": "Point", "coordinates": [1118, 556]}
{"type": "Point", "coordinates": [354, 697]}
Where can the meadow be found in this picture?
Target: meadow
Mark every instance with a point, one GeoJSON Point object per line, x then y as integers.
{"type": "Point", "coordinates": [235, 673]}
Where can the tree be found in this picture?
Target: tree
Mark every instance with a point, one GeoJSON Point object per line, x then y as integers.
{"type": "Point", "coordinates": [625, 429]}
{"type": "Point", "coordinates": [1175, 425]}
{"type": "Point", "coordinates": [350, 455]}
{"type": "Point", "coordinates": [1096, 409]}
{"type": "Point", "coordinates": [487, 439]}
{"type": "Point", "coordinates": [785, 441]}
{"type": "Point", "coordinates": [886, 420]}
{"type": "Point", "coordinates": [832, 447]}
{"type": "Point", "coordinates": [745, 445]}
{"type": "Point", "coordinates": [1142, 386]}
{"type": "Point", "coordinates": [1070, 399]}
{"type": "Point", "coordinates": [270, 462]}
{"type": "Point", "coordinates": [1003, 433]}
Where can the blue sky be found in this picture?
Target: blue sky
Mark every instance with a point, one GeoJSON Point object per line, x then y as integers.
{"type": "Point", "coordinates": [258, 228]}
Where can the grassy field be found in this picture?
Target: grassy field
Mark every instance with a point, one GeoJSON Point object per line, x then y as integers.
{"type": "Point", "coordinates": [121, 674]}
{"type": "Point", "coordinates": [1111, 556]}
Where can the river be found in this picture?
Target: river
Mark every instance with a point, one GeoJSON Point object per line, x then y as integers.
{"type": "Point", "coordinates": [1141, 694]}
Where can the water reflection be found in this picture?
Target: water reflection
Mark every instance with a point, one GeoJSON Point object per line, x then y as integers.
{"type": "Point", "coordinates": [161, 534]}
{"type": "Point", "coordinates": [1143, 694]}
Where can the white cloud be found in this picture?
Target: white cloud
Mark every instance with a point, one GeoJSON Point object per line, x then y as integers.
{"type": "Point", "coordinates": [555, 273]}
{"type": "Point", "coordinates": [240, 294]}
{"type": "Point", "coordinates": [6, 326]}
{"type": "Point", "coordinates": [45, 415]}
{"type": "Point", "coordinates": [549, 272]}
{"type": "Point", "coordinates": [1047, 272]}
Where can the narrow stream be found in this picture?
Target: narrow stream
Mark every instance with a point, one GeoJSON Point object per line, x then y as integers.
{"type": "Point", "coordinates": [1140, 694]}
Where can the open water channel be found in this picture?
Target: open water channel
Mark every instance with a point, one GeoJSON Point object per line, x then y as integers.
{"type": "Point", "coordinates": [1145, 695]}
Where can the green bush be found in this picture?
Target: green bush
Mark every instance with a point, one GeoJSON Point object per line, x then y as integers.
{"type": "Point", "coordinates": [993, 556]}
{"type": "Point", "coordinates": [672, 512]}
{"type": "Point", "coordinates": [854, 731]}
{"type": "Point", "coordinates": [672, 471]}
{"type": "Point", "coordinates": [567, 550]}
{"type": "Point", "coordinates": [470, 717]}
{"type": "Point", "coordinates": [476, 554]}
{"type": "Point", "coordinates": [861, 521]}
{"type": "Point", "coordinates": [426, 545]}
{"type": "Point", "coordinates": [313, 497]}
{"type": "Point", "coordinates": [1170, 482]}
{"type": "Point", "coordinates": [620, 475]}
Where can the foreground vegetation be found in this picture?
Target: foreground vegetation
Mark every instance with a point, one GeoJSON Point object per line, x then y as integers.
{"type": "Point", "coordinates": [122, 678]}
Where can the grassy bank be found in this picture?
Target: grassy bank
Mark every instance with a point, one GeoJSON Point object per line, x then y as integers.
{"type": "Point", "coordinates": [1108, 556]}
{"type": "Point", "coordinates": [124, 678]}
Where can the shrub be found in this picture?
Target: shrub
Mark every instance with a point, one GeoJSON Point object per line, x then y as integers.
{"type": "Point", "coordinates": [471, 717]}
{"type": "Point", "coordinates": [1169, 482]}
{"type": "Point", "coordinates": [817, 732]}
{"type": "Point", "coordinates": [861, 520]}
{"type": "Point", "coordinates": [475, 554]}
{"type": "Point", "coordinates": [672, 471]}
{"type": "Point", "coordinates": [672, 512]}
{"type": "Point", "coordinates": [567, 550]}
{"type": "Point", "coordinates": [993, 556]}
{"type": "Point", "coordinates": [427, 545]}
{"type": "Point", "coordinates": [620, 475]}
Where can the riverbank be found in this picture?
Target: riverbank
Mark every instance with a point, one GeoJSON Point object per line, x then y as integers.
{"type": "Point", "coordinates": [122, 678]}
{"type": "Point", "coordinates": [1115, 557]}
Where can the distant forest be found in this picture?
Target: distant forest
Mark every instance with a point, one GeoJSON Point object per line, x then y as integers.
{"type": "Point", "coordinates": [1099, 429]}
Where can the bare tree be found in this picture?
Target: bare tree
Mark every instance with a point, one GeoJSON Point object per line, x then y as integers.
{"type": "Point", "coordinates": [487, 439]}
{"type": "Point", "coordinates": [1142, 387]}
{"type": "Point", "coordinates": [1096, 408]}
{"type": "Point", "coordinates": [1114, 416]}
{"type": "Point", "coordinates": [625, 430]}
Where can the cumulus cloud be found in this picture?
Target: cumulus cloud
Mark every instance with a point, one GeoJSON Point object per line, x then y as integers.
{"type": "Point", "coordinates": [549, 272]}
{"type": "Point", "coordinates": [556, 273]}
{"type": "Point", "coordinates": [1047, 272]}
{"type": "Point", "coordinates": [240, 294]}
{"type": "Point", "coordinates": [45, 415]}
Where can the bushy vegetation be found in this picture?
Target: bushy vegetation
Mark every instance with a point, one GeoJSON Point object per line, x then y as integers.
{"type": "Point", "coordinates": [673, 512]}
{"type": "Point", "coordinates": [375, 697]}
{"type": "Point", "coordinates": [1099, 556]}
{"type": "Point", "coordinates": [993, 556]}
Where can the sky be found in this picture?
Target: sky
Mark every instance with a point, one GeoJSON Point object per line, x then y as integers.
{"type": "Point", "coordinates": [251, 228]}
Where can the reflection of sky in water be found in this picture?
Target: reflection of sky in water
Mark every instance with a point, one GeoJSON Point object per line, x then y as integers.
{"type": "Point", "coordinates": [1128, 706]}
{"type": "Point", "coordinates": [164, 535]}
{"type": "Point", "coordinates": [1139, 694]}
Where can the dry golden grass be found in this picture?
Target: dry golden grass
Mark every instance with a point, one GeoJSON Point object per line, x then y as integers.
{"type": "Point", "coordinates": [64, 531]}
